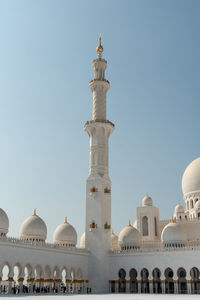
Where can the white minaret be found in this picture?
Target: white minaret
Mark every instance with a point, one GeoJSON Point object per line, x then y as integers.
{"type": "Point", "coordinates": [98, 189]}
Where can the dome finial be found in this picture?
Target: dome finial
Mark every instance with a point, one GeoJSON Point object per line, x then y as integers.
{"type": "Point", "coordinates": [100, 47]}
{"type": "Point", "coordinates": [34, 212]}
{"type": "Point", "coordinates": [129, 223]}
{"type": "Point", "coordinates": [65, 220]}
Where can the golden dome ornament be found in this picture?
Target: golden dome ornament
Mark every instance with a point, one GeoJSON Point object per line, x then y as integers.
{"type": "Point", "coordinates": [100, 47]}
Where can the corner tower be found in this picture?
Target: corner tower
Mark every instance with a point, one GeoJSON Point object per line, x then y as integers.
{"type": "Point", "coordinates": [98, 187]}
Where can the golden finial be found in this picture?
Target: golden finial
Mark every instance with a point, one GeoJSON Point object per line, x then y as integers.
{"type": "Point", "coordinates": [34, 212]}
{"type": "Point", "coordinates": [65, 220]}
{"type": "Point", "coordinates": [100, 47]}
{"type": "Point", "coordinates": [129, 223]}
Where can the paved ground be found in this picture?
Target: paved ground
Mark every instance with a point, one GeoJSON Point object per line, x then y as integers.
{"type": "Point", "coordinates": [106, 297]}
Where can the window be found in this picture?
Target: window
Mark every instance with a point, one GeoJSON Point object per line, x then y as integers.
{"type": "Point", "coordinates": [145, 229]}
{"type": "Point", "coordinates": [155, 226]}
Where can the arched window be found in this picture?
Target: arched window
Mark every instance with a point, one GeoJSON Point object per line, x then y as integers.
{"type": "Point", "coordinates": [122, 281]}
{"type": "Point", "coordinates": [145, 229]}
{"type": "Point", "coordinates": [191, 204]}
{"type": "Point", "coordinates": [155, 226]}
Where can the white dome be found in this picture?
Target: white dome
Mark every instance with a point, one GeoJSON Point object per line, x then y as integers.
{"type": "Point", "coordinates": [33, 228]}
{"type": "Point", "coordinates": [129, 236]}
{"type": "Point", "coordinates": [197, 205]}
{"type": "Point", "coordinates": [179, 209]}
{"type": "Point", "coordinates": [147, 201]}
{"type": "Point", "coordinates": [4, 222]}
{"type": "Point", "coordinates": [114, 241]}
{"type": "Point", "coordinates": [173, 233]}
{"type": "Point", "coordinates": [65, 235]}
{"type": "Point", "coordinates": [82, 241]}
{"type": "Point", "coordinates": [191, 177]}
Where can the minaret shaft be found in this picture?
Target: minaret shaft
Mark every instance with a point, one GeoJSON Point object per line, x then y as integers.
{"type": "Point", "coordinates": [98, 188]}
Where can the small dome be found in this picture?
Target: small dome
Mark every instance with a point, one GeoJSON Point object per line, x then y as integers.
{"type": "Point", "coordinates": [129, 236]}
{"type": "Point", "coordinates": [65, 235]}
{"type": "Point", "coordinates": [179, 209]}
{"type": "Point", "coordinates": [147, 201]}
{"type": "Point", "coordinates": [33, 228]}
{"type": "Point", "coordinates": [197, 205]}
{"type": "Point", "coordinates": [114, 242]}
{"type": "Point", "coordinates": [173, 233]}
{"type": "Point", "coordinates": [4, 222]}
{"type": "Point", "coordinates": [82, 241]}
{"type": "Point", "coordinates": [191, 177]}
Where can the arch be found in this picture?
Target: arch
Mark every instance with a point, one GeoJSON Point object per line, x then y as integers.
{"type": "Point", "coordinates": [133, 281]}
{"type": "Point", "coordinates": [64, 278]}
{"type": "Point", "coordinates": [122, 281]}
{"type": "Point", "coordinates": [157, 288]}
{"type": "Point", "coordinates": [182, 283]}
{"type": "Point", "coordinates": [27, 274]}
{"type": "Point", "coordinates": [145, 227]}
{"type": "Point", "coordinates": [56, 272]}
{"type": "Point", "coordinates": [144, 281]}
{"type": "Point", "coordinates": [17, 272]}
{"type": "Point", "coordinates": [6, 269]}
{"type": "Point", "coordinates": [195, 284]}
{"type": "Point", "coordinates": [6, 272]}
{"type": "Point", "coordinates": [169, 281]}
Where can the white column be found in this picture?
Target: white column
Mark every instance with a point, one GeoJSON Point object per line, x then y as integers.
{"type": "Point", "coordinates": [175, 285]}
{"type": "Point", "coordinates": [150, 285]}
{"type": "Point", "coordinates": [189, 289]}
{"type": "Point", "coordinates": [163, 285]}
{"type": "Point", "coordinates": [10, 282]}
{"type": "Point", "coordinates": [20, 280]}
{"type": "Point", "coordinates": [139, 285]}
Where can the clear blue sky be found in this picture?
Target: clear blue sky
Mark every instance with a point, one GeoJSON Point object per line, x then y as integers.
{"type": "Point", "coordinates": [47, 47]}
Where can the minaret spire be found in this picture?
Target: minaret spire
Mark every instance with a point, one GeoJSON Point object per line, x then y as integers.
{"type": "Point", "coordinates": [99, 47]}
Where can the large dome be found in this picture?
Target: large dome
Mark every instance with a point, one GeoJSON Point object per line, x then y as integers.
{"type": "Point", "coordinates": [129, 237]}
{"type": "Point", "coordinates": [4, 222]}
{"type": "Point", "coordinates": [191, 177]}
{"type": "Point", "coordinates": [173, 233]}
{"type": "Point", "coordinates": [65, 235]}
{"type": "Point", "coordinates": [33, 228]}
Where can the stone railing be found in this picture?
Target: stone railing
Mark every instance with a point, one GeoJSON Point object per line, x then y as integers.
{"type": "Point", "coordinates": [158, 247]}
{"type": "Point", "coordinates": [38, 244]}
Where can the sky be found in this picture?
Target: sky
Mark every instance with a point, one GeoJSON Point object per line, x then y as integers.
{"type": "Point", "coordinates": [47, 47]}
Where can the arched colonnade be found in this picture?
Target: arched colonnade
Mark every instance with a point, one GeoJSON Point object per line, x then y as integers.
{"type": "Point", "coordinates": [144, 281]}
{"type": "Point", "coordinates": [27, 278]}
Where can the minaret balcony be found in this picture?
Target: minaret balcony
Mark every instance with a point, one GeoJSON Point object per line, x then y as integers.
{"type": "Point", "coordinates": [106, 226]}
{"type": "Point", "coordinates": [93, 191]}
{"type": "Point", "coordinates": [107, 191]}
{"type": "Point", "coordinates": [93, 226]}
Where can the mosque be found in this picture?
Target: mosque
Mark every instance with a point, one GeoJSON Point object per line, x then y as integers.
{"type": "Point", "coordinates": [149, 256]}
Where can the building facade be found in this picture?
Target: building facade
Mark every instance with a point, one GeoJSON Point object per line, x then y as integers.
{"type": "Point", "coordinates": [149, 256]}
